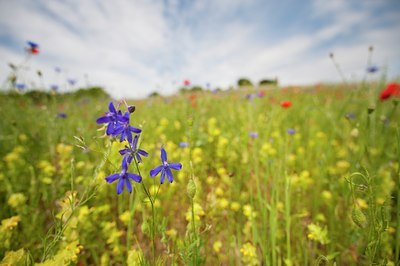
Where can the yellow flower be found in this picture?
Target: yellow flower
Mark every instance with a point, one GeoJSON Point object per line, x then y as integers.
{"type": "Point", "coordinates": [124, 217]}
{"type": "Point", "coordinates": [217, 246]}
{"type": "Point", "coordinates": [327, 195]}
{"type": "Point", "coordinates": [23, 137]}
{"type": "Point", "coordinates": [219, 191]}
{"type": "Point", "coordinates": [16, 200]}
{"type": "Point", "coordinates": [342, 164]}
{"type": "Point", "coordinates": [354, 132]}
{"type": "Point", "coordinates": [171, 233]}
{"type": "Point", "coordinates": [223, 203]}
{"type": "Point", "coordinates": [362, 203]}
{"type": "Point", "coordinates": [249, 254]}
{"type": "Point", "coordinates": [235, 206]}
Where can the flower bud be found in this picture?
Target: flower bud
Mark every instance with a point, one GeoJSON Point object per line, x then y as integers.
{"type": "Point", "coordinates": [131, 109]}
{"type": "Point", "coordinates": [359, 217]}
{"type": "Point", "coordinates": [191, 188]}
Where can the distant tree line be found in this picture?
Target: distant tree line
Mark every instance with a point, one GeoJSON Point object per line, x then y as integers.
{"type": "Point", "coordinates": [244, 82]}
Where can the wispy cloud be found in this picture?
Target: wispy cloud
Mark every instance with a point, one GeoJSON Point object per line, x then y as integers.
{"type": "Point", "coordinates": [135, 47]}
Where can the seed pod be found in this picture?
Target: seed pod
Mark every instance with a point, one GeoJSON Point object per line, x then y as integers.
{"type": "Point", "coordinates": [191, 188]}
{"type": "Point", "coordinates": [359, 217]}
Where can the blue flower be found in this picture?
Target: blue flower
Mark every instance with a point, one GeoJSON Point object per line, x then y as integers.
{"type": "Point", "coordinates": [71, 82]}
{"type": "Point", "coordinates": [372, 69]}
{"type": "Point", "coordinates": [131, 151]}
{"type": "Point", "coordinates": [165, 168]}
{"type": "Point", "coordinates": [20, 86]}
{"type": "Point", "coordinates": [32, 45]}
{"type": "Point", "coordinates": [125, 129]}
{"type": "Point", "coordinates": [54, 87]}
{"type": "Point", "coordinates": [112, 118]}
{"type": "Point", "coordinates": [184, 144]}
{"type": "Point", "coordinates": [124, 178]}
{"type": "Point", "coordinates": [62, 115]}
{"type": "Point", "coordinates": [291, 131]}
{"type": "Point", "coordinates": [253, 134]}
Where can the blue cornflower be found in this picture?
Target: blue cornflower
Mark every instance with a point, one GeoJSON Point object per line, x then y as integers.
{"type": "Point", "coordinates": [131, 151]}
{"type": "Point", "coordinates": [184, 144]}
{"type": "Point", "coordinates": [125, 129]}
{"type": "Point", "coordinates": [32, 45]}
{"type": "Point", "coordinates": [165, 168]}
{"type": "Point", "coordinates": [62, 115]}
{"type": "Point", "coordinates": [372, 69]}
{"type": "Point", "coordinates": [350, 116]}
{"type": "Point", "coordinates": [112, 118]}
{"type": "Point", "coordinates": [54, 87]}
{"type": "Point", "coordinates": [124, 177]}
{"type": "Point", "coordinates": [71, 82]}
{"type": "Point", "coordinates": [20, 86]}
{"type": "Point", "coordinates": [253, 134]}
{"type": "Point", "coordinates": [291, 131]}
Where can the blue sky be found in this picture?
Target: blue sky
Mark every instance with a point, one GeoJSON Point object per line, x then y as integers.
{"type": "Point", "coordinates": [133, 48]}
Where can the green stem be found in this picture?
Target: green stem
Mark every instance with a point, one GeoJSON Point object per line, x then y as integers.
{"type": "Point", "coordinates": [152, 231]}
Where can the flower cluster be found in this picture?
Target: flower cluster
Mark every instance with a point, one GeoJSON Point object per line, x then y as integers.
{"type": "Point", "coordinates": [118, 126]}
{"type": "Point", "coordinates": [33, 48]}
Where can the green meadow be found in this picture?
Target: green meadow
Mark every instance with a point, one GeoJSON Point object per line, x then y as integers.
{"type": "Point", "coordinates": [313, 183]}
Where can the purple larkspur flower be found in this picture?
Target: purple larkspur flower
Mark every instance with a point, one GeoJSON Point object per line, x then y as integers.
{"type": "Point", "coordinates": [124, 178]}
{"type": "Point", "coordinates": [165, 168]}
{"type": "Point", "coordinates": [291, 131]}
{"type": "Point", "coordinates": [112, 118]}
{"type": "Point", "coordinates": [125, 129]}
{"type": "Point", "coordinates": [62, 115]}
{"type": "Point", "coordinates": [133, 150]}
{"type": "Point", "coordinates": [253, 134]}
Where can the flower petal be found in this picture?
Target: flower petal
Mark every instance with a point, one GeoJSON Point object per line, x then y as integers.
{"type": "Point", "coordinates": [135, 129]}
{"type": "Point", "coordinates": [128, 185]}
{"type": "Point", "coordinates": [135, 177]}
{"type": "Point", "coordinates": [138, 158]}
{"type": "Point", "coordinates": [118, 129]}
{"type": "Point", "coordinates": [163, 155]}
{"type": "Point", "coordinates": [112, 108]}
{"type": "Point", "coordinates": [120, 186]}
{"type": "Point", "coordinates": [169, 174]}
{"type": "Point", "coordinates": [104, 119]}
{"type": "Point", "coordinates": [156, 170]}
{"type": "Point", "coordinates": [124, 164]}
{"type": "Point", "coordinates": [124, 151]}
{"type": "Point", "coordinates": [110, 129]}
{"type": "Point", "coordinates": [112, 178]}
{"type": "Point", "coordinates": [128, 135]}
{"type": "Point", "coordinates": [143, 153]}
{"type": "Point", "coordinates": [175, 166]}
{"type": "Point", "coordinates": [162, 176]}
{"type": "Point", "coordinates": [134, 142]}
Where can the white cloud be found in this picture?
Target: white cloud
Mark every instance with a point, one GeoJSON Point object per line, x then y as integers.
{"type": "Point", "coordinates": [135, 47]}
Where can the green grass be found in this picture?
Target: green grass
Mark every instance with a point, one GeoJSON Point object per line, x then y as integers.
{"type": "Point", "coordinates": [324, 195]}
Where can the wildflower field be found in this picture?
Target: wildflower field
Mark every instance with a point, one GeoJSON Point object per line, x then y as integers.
{"type": "Point", "coordinates": [293, 176]}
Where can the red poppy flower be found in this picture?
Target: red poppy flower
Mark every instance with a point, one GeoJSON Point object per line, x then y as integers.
{"type": "Point", "coordinates": [286, 104]}
{"type": "Point", "coordinates": [393, 89]}
{"type": "Point", "coordinates": [34, 50]}
{"type": "Point", "coordinates": [186, 82]}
